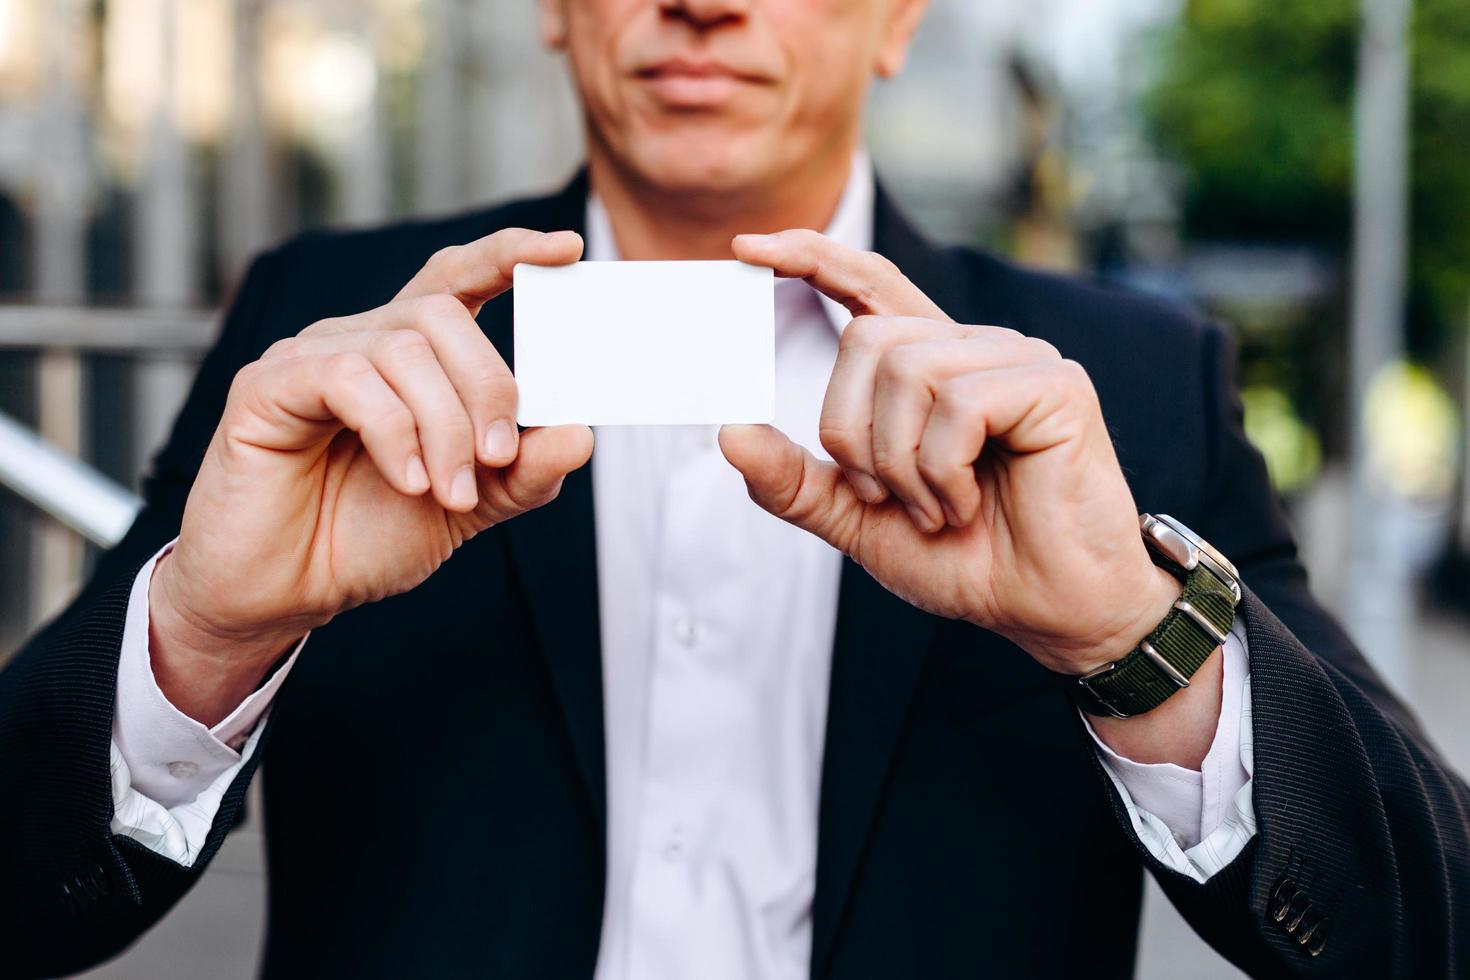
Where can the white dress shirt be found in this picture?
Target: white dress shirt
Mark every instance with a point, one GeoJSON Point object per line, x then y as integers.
{"type": "Point", "coordinates": [717, 629]}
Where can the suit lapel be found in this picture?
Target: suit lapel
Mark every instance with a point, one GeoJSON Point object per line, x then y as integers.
{"type": "Point", "coordinates": [878, 656]}
{"type": "Point", "coordinates": [554, 549]}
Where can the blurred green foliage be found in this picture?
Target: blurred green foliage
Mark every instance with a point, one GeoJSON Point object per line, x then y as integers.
{"type": "Point", "coordinates": [1254, 99]}
{"type": "Point", "coordinates": [1292, 451]}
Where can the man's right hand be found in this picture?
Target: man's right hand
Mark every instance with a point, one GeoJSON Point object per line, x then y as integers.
{"type": "Point", "coordinates": [350, 461]}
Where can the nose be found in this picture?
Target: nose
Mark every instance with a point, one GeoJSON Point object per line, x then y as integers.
{"type": "Point", "coordinates": [705, 14]}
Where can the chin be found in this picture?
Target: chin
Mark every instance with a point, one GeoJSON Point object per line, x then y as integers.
{"type": "Point", "coordinates": [696, 159]}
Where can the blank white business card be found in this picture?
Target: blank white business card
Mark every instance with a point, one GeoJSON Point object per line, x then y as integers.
{"type": "Point", "coordinates": [645, 343]}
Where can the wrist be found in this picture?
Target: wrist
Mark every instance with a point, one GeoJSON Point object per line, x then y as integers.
{"type": "Point", "coordinates": [1179, 731]}
{"type": "Point", "coordinates": [1182, 728]}
{"type": "Point", "coordinates": [1153, 599]}
{"type": "Point", "coordinates": [204, 670]}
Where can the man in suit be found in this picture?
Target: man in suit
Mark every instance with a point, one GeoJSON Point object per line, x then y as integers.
{"type": "Point", "coordinates": [762, 701]}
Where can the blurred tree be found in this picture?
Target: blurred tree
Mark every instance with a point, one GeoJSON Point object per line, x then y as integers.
{"type": "Point", "coordinates": [1254, 99]}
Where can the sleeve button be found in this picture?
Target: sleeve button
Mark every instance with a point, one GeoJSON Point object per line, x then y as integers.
{"type": "Point", "coordinates": [1281, 898]}
{"type": "Point", "coordinates": [183, 770]}
{"type": "Point", "coordinates": [1317, 936]}
{"type": "Point", "coordinates": [1300, 906]}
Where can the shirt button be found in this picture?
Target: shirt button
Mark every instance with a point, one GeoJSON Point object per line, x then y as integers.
{"type": "Point", "coordinates": [675, 848]}
{"type": "Point", "coordinates": [687, 631]}
{"type": "Point", "coordinates": [183, 770]}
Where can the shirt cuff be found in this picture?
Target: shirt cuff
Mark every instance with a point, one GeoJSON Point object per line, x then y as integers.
{"type": "Point", "coordinates": [178, 832]}
{"type": "Point", "coordinates": [161, 758]}
{"type": "Point", "coordinates": [1197, 822]}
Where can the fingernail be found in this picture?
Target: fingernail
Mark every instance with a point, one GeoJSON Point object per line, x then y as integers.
{"type": "Point", "coordinates": [500, 440]}
{"type": "Point", "coordinates": [462, 492]}
{"type": "Point", "coordinates": [921, 520]}
{"type": "Point", "coordinates": [864, 485]}
{"type": "Point", "coordinates": [416, 476]}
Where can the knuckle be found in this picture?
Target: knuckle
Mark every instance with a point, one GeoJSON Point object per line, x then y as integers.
{"type": "Point", "coordinates": [326, 325]}
{"type": "Point", "coordinates": [805, 237]}
{"type": "Point", "coordinates": [522, 496]}
{"type": "Point", "coordinates": [1075, 379]}
{"type": "Point", "coordinates": [437, 306]}
{"type": "Point", "coordinates": [881, 266]}
{"type": "Point", "coordinates": [551, 493]}
{"type": "Point", "coordinates": [395, 420]}
{"type": "Point", "coordinates": [904, 365]}
{"type": "Point", "coordinates": [405, 345]}
{"type": "Point", "coordinates": [862, 332]}
{"type": "Point", "coordinates": [888, 461]}
{"type": "Point", "coordinates": [496, 384]}
{"type": "Point", "coordinates": [514, 235]}
{"type": "Point", "coordinates": [840, 441]}
{"type": "Point", "coordinates": [347, 366]}
{"type": "Point", "coordinates": [444, 260]}
{"type": "Point", "coordinates": [454, 421]}
{"type": "Point", "coordinates": [456, 431]}
{"type": "Point", "coordinates": [245, 379]}
{"type": "Point", "coordinates": [954, 399]}
{"type": "Point", "coordinates": [996, 333]}
{"type": "Point", "coordinates": [879, 275]}
{"type": "Point", "coordinates": [1043, 349]}
{"type": "Point", "coordinates": [868, 294]}
{"type": "Point", "coordinates": [931, 469]}
{"type": "Point", "coordinates": [281, 348]}
{"type": "Point", "coordinates": [449, 428]}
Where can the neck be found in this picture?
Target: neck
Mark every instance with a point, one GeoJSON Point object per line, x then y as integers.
{"type": "Point", "coordinates": [651, 222]}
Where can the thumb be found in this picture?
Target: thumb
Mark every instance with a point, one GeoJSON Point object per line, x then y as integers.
{"type": "Point", "coordinates": [544, 458]}
{"type": "Point", "coordinates": [791, 483]}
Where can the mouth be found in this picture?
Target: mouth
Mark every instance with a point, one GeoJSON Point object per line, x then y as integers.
{"type": "Point", "coordinates": [692, 84]}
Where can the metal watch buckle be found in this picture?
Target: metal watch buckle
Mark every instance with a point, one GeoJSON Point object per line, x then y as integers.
{"type": "Point", "coordinates": [1179, 546]}
{"type": "Point", "coordinates": [1085, 681]}
{"type": "Point", "coordinates": [1156, 658]}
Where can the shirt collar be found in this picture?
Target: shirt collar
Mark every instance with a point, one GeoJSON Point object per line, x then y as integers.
{"type": "Point", "coordinates": [851, 225]}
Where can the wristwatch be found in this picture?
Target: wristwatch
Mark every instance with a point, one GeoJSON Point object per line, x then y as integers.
{"type": "Point", "coordinates": [1162, 664]}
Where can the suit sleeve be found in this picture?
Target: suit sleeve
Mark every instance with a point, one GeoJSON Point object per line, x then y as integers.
{"type": "Point", "coordinates": [71, 892]}
{"type": "Point", "coordinates": [1361, 861]}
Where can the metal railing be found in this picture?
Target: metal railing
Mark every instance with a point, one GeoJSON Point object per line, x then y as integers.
{"type": "Point", "coordinates": [120, 330]}
{"type": "Point", "coordinates": [63, 486]}
{"type": "Point", "coordinates": [52, 479]}
{"type": "Point", "coordinates": [47, 465]}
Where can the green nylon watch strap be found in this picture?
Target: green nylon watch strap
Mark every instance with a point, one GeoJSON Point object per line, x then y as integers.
{"type": "Point", "coordinates": [1136, 684]}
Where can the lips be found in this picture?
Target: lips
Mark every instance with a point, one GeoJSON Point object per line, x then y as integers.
{"type": "Point", "coordinates": [688, 83]}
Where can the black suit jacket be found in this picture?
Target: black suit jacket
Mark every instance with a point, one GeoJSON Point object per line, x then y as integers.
{"type": "Point", "coordinates": [966, 826]}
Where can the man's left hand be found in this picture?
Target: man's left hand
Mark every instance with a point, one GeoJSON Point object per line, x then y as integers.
{"type": "Point", "coordinates": [974, 475]}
